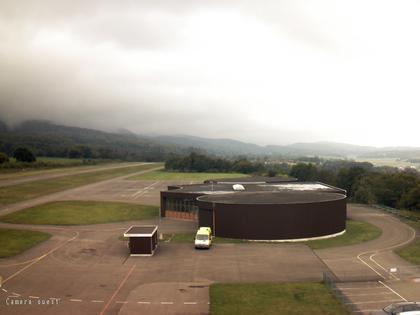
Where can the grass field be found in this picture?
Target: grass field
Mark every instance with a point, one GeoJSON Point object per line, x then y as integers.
{"type": "Point", "coordinates": [81, 212]}
{"type": "Point", "coordinates": [13, 242]}
{"type": "Point", "coordinates": [356, 232]}
{"type": "Point", "coordinates": [189, 238]}
{"type": "Point", "coordinates": [411, 252]}
{"type": "Point", "coordinates": [393, 162]}
{"type": "Point", "coordinates": [165, 175]}
{"type": "Point", "coordinates": [273, 299]}
{"type": "Point", "coordinates": [21, 192]}
{"type": "Point", "coordinates": [46, 163]}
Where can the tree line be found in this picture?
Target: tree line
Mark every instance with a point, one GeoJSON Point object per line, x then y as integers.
{"type": "Point", "coordinates": [365, 183]}
{"type": "Point", "coordinates": [196, 162]}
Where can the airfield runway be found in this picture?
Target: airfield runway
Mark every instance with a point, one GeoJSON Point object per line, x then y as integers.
{"type": "Point", "coordinates": [87, 270]}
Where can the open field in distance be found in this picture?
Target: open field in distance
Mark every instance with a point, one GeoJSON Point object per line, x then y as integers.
{"type": "Point", "coordinates": [393, 162]}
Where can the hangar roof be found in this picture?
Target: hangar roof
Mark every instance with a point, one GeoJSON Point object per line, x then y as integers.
{"type": "Point", "coordinates": [213, 189]}
{"type": "Point", "coordinates": [290, 197]}
{"type": "Point", "coordinates": [251, 180]}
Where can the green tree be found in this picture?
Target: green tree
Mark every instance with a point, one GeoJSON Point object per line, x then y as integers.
{"type": "Point", "coordinates": [304, 172]}
{"type": "Point", "coordinates": [24, 155]}
{"type": "Point", "coordinates": [411, 200]}
{"type": "Point", "coordinates": [4, 158]}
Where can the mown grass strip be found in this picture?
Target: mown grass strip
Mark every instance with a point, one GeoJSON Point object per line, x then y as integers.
{"type": "Point", "coordinates": [190, 237]}
{"type": "Point", "coordinates": [273, 299]}
{"type": "Point", "coordinates": [14, 242]}
{"type": "Point", "coordinates": [80, 213]}
{"type": "Point", "coordinates": [356, 232]}
{"type": "Point", "coordinates": [166, 175]}
{"type": "Point", "coordinates": [26, 191]}
{"type": "Point", "coordinates": [411, 252]}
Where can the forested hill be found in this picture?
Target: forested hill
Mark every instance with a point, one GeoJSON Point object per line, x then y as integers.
{"type": "Point", "coordinates": [48, 139]}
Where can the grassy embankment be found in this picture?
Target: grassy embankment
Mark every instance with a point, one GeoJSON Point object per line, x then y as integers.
{"type": "Point", "coordinates": [411, 252]}
{"type": "Point", "coordinates": [13, 242]}
{"type": "Point", "coordinates": [81, 212]}
{"type": "Point", "coordinates": [21, 192]}
{"type": "Point", "coordinates": [273, 299]}
{"type": "Point", "coordinates": [166, 175]}
{"type": "Point", "coordinates": [356, 232]}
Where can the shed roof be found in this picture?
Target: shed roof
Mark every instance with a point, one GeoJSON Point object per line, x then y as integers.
{"type": "Point", "coordinates": [141, 231]}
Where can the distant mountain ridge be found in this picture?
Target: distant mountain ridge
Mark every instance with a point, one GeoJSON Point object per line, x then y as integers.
{"type": "Point", "coordinates": [55, 140]}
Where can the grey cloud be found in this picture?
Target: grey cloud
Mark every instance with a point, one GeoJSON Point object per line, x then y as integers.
{"type": "Point", "coordinates": [127, 64]}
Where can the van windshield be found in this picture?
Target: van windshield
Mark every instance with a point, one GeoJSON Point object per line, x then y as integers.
{"type": "Point", "coordinates": [202, 237]}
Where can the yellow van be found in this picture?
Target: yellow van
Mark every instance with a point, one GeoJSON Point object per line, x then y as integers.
{"type": "Point", "coordinates": [203, 237]}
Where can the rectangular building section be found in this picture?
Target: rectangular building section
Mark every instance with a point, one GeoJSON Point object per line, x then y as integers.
{"type": "Point", "coordinates": [143, 240]}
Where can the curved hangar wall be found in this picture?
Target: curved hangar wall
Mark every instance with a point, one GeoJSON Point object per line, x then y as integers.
{"type": "Point", "coordinates": [274, 216]}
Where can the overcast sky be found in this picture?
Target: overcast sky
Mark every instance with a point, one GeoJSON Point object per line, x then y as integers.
{"type": "Point", "coordinates": [269, 72]}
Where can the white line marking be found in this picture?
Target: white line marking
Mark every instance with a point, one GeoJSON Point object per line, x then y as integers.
{"type": "Point", "coordinates": [143, 302]}
{"type": "Point", "coordinates": [142, 190]}
{"type": "Point", "coordinates": [370, 302]}
{"type": "Point", "coordinates": [359, 257]}
{"type": "Point", "coordinates": [190, 303]}
{"type": "Point", "coordinates": [75, 300]}
{"type": "Point", "coordinates": [97, 301]}
{"type": "Point", "coordinates": [33, 297]}
{"type": "Point", "coordinates": [367, 294]}
{"type": "Point", "coordinates": [380, 266]}
{"type": "Point", "coordinates": [166, 303]}
{"type": "Point", "coordinates": [393, 291]}
{"type": "Point", "coordinates": [121, 302]}
{"type": "Point", "coordinates": [374, 253]}
{"type": "Point", "coordinates": [4, 290]}
{"type": "Point", "coordinates": [360, 288]}
{"type": "Point", "coordinates": [14, 293]}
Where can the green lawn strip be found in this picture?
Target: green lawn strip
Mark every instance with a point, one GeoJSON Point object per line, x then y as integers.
{"type": "Point", "coordinates": [6, 174]}
{"type": "Point", "coordinates": [81, 212]}
{"type": "Point", "coordinates": [189, 238]}
{"type": "Point", "coordinates": [411, 252]}
{"type": "Point", "coordinates": [166, 175]}
{"type": "Point", "coordinates": [13, 242]}
{"type": "Point", "coordinates": [21, 192]}
{"type": "Point", "coordinates": [273, 299]}
{"type": "Point", "coordinates": [356, 232]}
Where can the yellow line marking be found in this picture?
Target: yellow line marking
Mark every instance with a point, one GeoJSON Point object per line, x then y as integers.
{"type": "Point", "coordinates": [117, 290]}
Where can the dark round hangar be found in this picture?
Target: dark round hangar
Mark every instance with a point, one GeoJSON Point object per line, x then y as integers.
{"type": "Point", "coordinates": [291, 215]}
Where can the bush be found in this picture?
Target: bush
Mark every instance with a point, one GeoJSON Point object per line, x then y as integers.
{"type": "Point", "coordinates": [4, 158]}
{"type": "Point", "coordinates": [24, 155]}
